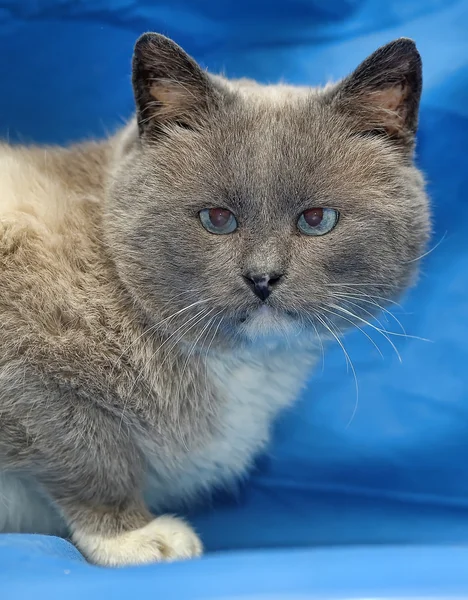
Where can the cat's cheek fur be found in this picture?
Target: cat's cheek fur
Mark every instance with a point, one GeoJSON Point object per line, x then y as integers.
{"type": "Point", "coordinates": [165, 538]}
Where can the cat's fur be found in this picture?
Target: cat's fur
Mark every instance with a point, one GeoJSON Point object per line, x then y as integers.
{"type": "Point", "coordinates": [137, 368]}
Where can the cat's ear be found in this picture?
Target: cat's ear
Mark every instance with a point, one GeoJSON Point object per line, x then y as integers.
{"type": "Point", "coordinates": [169, 86]}
{"type": "Point", "coordinates": [382, 95]}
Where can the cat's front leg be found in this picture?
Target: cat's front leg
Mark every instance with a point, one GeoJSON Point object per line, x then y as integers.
{"type": "Point", "coordinates": [94, 473]}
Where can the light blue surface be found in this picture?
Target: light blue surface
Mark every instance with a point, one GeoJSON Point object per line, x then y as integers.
{"type": "Point", "coordinates": [389, 468]}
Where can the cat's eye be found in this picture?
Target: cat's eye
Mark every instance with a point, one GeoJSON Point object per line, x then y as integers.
{"type": "Point", "coordinates": [318, 221]}
{"type": "Point", "coordinates": [218, 220]}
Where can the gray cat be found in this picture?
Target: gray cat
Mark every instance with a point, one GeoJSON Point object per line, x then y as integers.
{"type": "Point", "coordinates": [165, 293]}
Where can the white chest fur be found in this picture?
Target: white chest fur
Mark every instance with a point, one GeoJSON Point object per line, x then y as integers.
{"type": "Point", "coordinates": [252, 388]}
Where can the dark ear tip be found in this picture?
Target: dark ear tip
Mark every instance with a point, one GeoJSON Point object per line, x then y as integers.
{"type": "Point", "coordinates": [145, 39]}
{"type": "Point", "coordinates": [153, 40]}
{"type": "Point", "coordinates": [405, 42]}
{"type": "Point", "coordinates": [402, 46]}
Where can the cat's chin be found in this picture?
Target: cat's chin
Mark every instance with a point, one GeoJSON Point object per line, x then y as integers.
{"type": "Point", "coordinates": [270, 326]}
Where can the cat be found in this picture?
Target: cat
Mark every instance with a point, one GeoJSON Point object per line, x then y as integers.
{"type": "Point", "coordinates": [165, 293]}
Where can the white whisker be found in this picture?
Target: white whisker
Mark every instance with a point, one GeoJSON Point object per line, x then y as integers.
{"type": "Point", "coordinates": [194, 344]}
{"type": "Point", "coordinates": [213, 337]}
{"type": "Point", "coordinates": [187, 360]}
{"type": "Point", "coordinates": [151, 330]}
{"type": "Point", "coordinates": [199, 317]}
{"type": "Point", "coordinates": [322, 350]}
{"type": "Point", "coordinates": [382, 332]}
{"type": "Point", "coordinates": [370, 285]}
{"type": "Point", "coordinates": [153, 354]}
{"type": "Point", "coordinates": [348, 362]}
{"type": "Point", "coordinates": [351, 288]}
{"type": "Point", "coordinates": [373, 342]}
{"type": "Point", "coordinates": [429, 251]}
{"type": "Point", "coordinates": [343, 298]}
{"type": "Point", "coordinates": [393, 333]}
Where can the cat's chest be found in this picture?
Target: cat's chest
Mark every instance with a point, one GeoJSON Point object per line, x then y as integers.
{"type": "Point", "coordinates": [250, 391]}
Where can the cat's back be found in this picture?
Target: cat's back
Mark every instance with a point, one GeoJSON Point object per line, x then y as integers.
{"type": "Point", "coordinates": [45, 227]}
{"type": "Point", "coordinates": [39, 199]}
{"type": "Point", "coordinates": [33, 208]}
{"type": "Point", "coordinates": [51, 260]}
{"type": "Point", "coordinates": [25, 187]}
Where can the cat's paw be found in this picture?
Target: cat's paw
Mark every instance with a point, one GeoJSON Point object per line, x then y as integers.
{"type": "Point", "coordinates": [163, 539]}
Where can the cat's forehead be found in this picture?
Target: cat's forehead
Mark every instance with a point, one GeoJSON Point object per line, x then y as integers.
{"type": "Point", "coordinates": [275, 148]}
{"type": "Point", "coordinates": [290, 132]}
{"type": "Point", "coordinates": [297, 150]}
{"type": "Point", "coordinates": [275, 113]}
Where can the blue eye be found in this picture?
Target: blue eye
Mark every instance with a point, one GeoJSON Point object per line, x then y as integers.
{"type": "Point", "coordinates": [318, 221]}
{"type": "Point", "coordinates": [218, 220]}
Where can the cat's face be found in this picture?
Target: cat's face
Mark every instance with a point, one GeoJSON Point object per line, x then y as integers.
{"type": "Point", "coordinates": [259, 212]}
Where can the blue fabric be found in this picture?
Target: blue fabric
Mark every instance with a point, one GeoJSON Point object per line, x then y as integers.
{"type": "Point", "coordinates": [389, 467]}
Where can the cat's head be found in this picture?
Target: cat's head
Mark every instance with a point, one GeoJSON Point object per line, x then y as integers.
{"type": "Point", "coordinates": [243, 211]}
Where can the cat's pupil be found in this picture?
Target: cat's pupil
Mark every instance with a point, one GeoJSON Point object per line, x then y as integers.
{"type": "Point", "coordinates": [313, 216]}
{"type": "Point", "coordinates": [219, 217]}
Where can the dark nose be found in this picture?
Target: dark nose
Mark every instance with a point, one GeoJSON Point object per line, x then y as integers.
{"type": "Point", "coordinates": [262, 284]}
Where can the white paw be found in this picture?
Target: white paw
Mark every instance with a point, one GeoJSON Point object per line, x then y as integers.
{"type": "Point", "coordinates": [164, 539]}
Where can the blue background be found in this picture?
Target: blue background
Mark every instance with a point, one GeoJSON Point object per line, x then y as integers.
{"type": "Point", "coordinates": [347, 478]}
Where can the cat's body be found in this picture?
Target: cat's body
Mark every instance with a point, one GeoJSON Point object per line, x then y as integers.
{"type": "Point", "coordinates": [65, 303]}
{"type": "Point", "coordinates": [136, 366]}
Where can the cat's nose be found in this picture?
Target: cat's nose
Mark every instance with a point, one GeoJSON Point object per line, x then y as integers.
{"type": "Point", "coordinates": [262, 284]}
